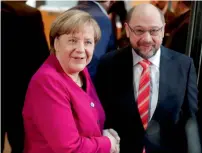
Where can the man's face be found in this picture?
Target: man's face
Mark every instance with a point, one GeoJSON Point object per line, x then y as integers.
{"type": "Point", "coordinates": [145, 31]}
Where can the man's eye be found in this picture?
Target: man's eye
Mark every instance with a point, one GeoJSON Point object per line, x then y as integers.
{"type": "Point", "coordinates": [139, 30]}
{"type": "Point", "coordinates": [154, 30]}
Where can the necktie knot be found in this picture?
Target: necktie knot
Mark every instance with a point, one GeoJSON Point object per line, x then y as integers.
{"type": "Point", "coordinates": [145, 64]}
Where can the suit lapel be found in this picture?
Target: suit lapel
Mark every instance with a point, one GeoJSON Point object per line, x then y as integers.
{"type": "Point", "coordinates": [123, 68]}
{"type": "Point", "coordinates": [165, 71]}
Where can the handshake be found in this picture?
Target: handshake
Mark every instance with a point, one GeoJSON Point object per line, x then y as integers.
{"type": "Point", "coordinates": [114, 139]}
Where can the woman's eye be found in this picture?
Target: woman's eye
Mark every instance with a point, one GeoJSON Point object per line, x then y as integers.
{"type": "Point", "coordinates": [88, 42]}
{"type": "Point", "coordinates": [72, 40]}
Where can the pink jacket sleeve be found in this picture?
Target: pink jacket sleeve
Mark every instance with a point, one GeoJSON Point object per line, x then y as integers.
{"type": "Point", "coordinates": [53, 117]}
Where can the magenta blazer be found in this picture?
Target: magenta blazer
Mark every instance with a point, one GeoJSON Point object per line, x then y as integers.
{"type": "Point", "coordinates": [59, 116]}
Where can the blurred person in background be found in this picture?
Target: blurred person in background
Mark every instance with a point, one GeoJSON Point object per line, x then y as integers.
{"type": "Point", "coordinates": [118, 13]}
{"type": "Point", "coordinates": [178, 27]}
{"type": "Point", "coordinates": [24, 48]}
{"type": "Point", "coordinates": [99, 11]}
{"type": "Point", "coordinates": [162, 5]}
{"type": "Point", "coordinates": [62, 112]}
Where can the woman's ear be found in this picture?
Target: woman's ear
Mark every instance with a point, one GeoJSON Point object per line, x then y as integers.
{"type": "Point", "coordinates": [56, 44]}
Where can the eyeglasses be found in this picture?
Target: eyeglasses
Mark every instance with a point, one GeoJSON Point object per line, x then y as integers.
{"type": "Point", "coordinates": [138, 31]}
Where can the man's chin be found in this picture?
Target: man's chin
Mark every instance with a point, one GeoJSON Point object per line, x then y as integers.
{"type": "Point", "coordinates": [146, 54]}
{"type": "Point", "coordinates": [146, 49]}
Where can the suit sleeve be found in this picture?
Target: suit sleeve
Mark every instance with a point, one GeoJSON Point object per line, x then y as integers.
{"type": "Point", "coordinates": [52, 114]}
{"type": "Point", "coordinates": [101, 85]}
{"type": "Point", "coordinates": [191, 125]}
{"type": "Point", "coordinates": [192, 91]}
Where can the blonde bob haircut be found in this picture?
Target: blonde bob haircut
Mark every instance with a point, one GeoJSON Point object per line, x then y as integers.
{"type": "Point", "coordinates": [72, 21]}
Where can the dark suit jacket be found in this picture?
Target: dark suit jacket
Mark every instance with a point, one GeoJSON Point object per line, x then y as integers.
{"type": "Point", "coordinates": [24, 48]}
{"type": "Point", "coordinates": [177, 102]}
{"type": "Point", "coordinates": [107, 41]}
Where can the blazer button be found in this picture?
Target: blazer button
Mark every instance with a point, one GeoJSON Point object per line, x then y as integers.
{"type": "Point", "coordinates": [92, 104]}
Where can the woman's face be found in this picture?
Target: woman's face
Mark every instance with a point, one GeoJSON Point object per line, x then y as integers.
{"type": "Point", "coordinates": [75, 50]}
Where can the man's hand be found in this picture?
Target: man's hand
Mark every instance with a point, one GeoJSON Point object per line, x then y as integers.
{"type": "Point", "coordinates": [114, 139]}
{"type": "Point", "coordinates": [115, 135]}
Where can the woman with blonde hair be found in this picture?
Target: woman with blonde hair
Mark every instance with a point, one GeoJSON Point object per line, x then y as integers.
{"type": "Point", "coordinates": [62, 112]}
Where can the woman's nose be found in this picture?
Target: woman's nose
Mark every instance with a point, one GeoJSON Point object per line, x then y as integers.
{"type": "Point", "coordinates": [80, 47]}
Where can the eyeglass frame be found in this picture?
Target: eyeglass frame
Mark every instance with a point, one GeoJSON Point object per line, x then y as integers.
{"type": "Point", "coordinates": [150, 31]}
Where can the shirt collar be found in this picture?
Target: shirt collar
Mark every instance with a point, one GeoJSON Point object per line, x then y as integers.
{"type": "Point", "coordinates": [155, 60]}
{"type": "Point", "coordinates": [101, 7]}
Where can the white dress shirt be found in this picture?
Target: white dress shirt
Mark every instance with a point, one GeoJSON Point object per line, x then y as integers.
{"type": "Point", "coordinates": [154, 73]}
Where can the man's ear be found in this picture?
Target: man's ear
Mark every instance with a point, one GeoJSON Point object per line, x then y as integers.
{"type": "Point", "coordinates": [127, 29]}
{"type": "Point", "coordinates": [163, 30]}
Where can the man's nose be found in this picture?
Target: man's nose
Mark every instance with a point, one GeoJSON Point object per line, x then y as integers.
{"type": "Point", "coordinates": [147, 37]}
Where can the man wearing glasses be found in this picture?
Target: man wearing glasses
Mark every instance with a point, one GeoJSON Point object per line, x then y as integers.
{"type": "Point", "coordinates": [149, 92]}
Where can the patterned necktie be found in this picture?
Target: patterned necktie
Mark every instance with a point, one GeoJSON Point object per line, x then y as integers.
{"type": "Point", "coordinates": [144, 93]}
